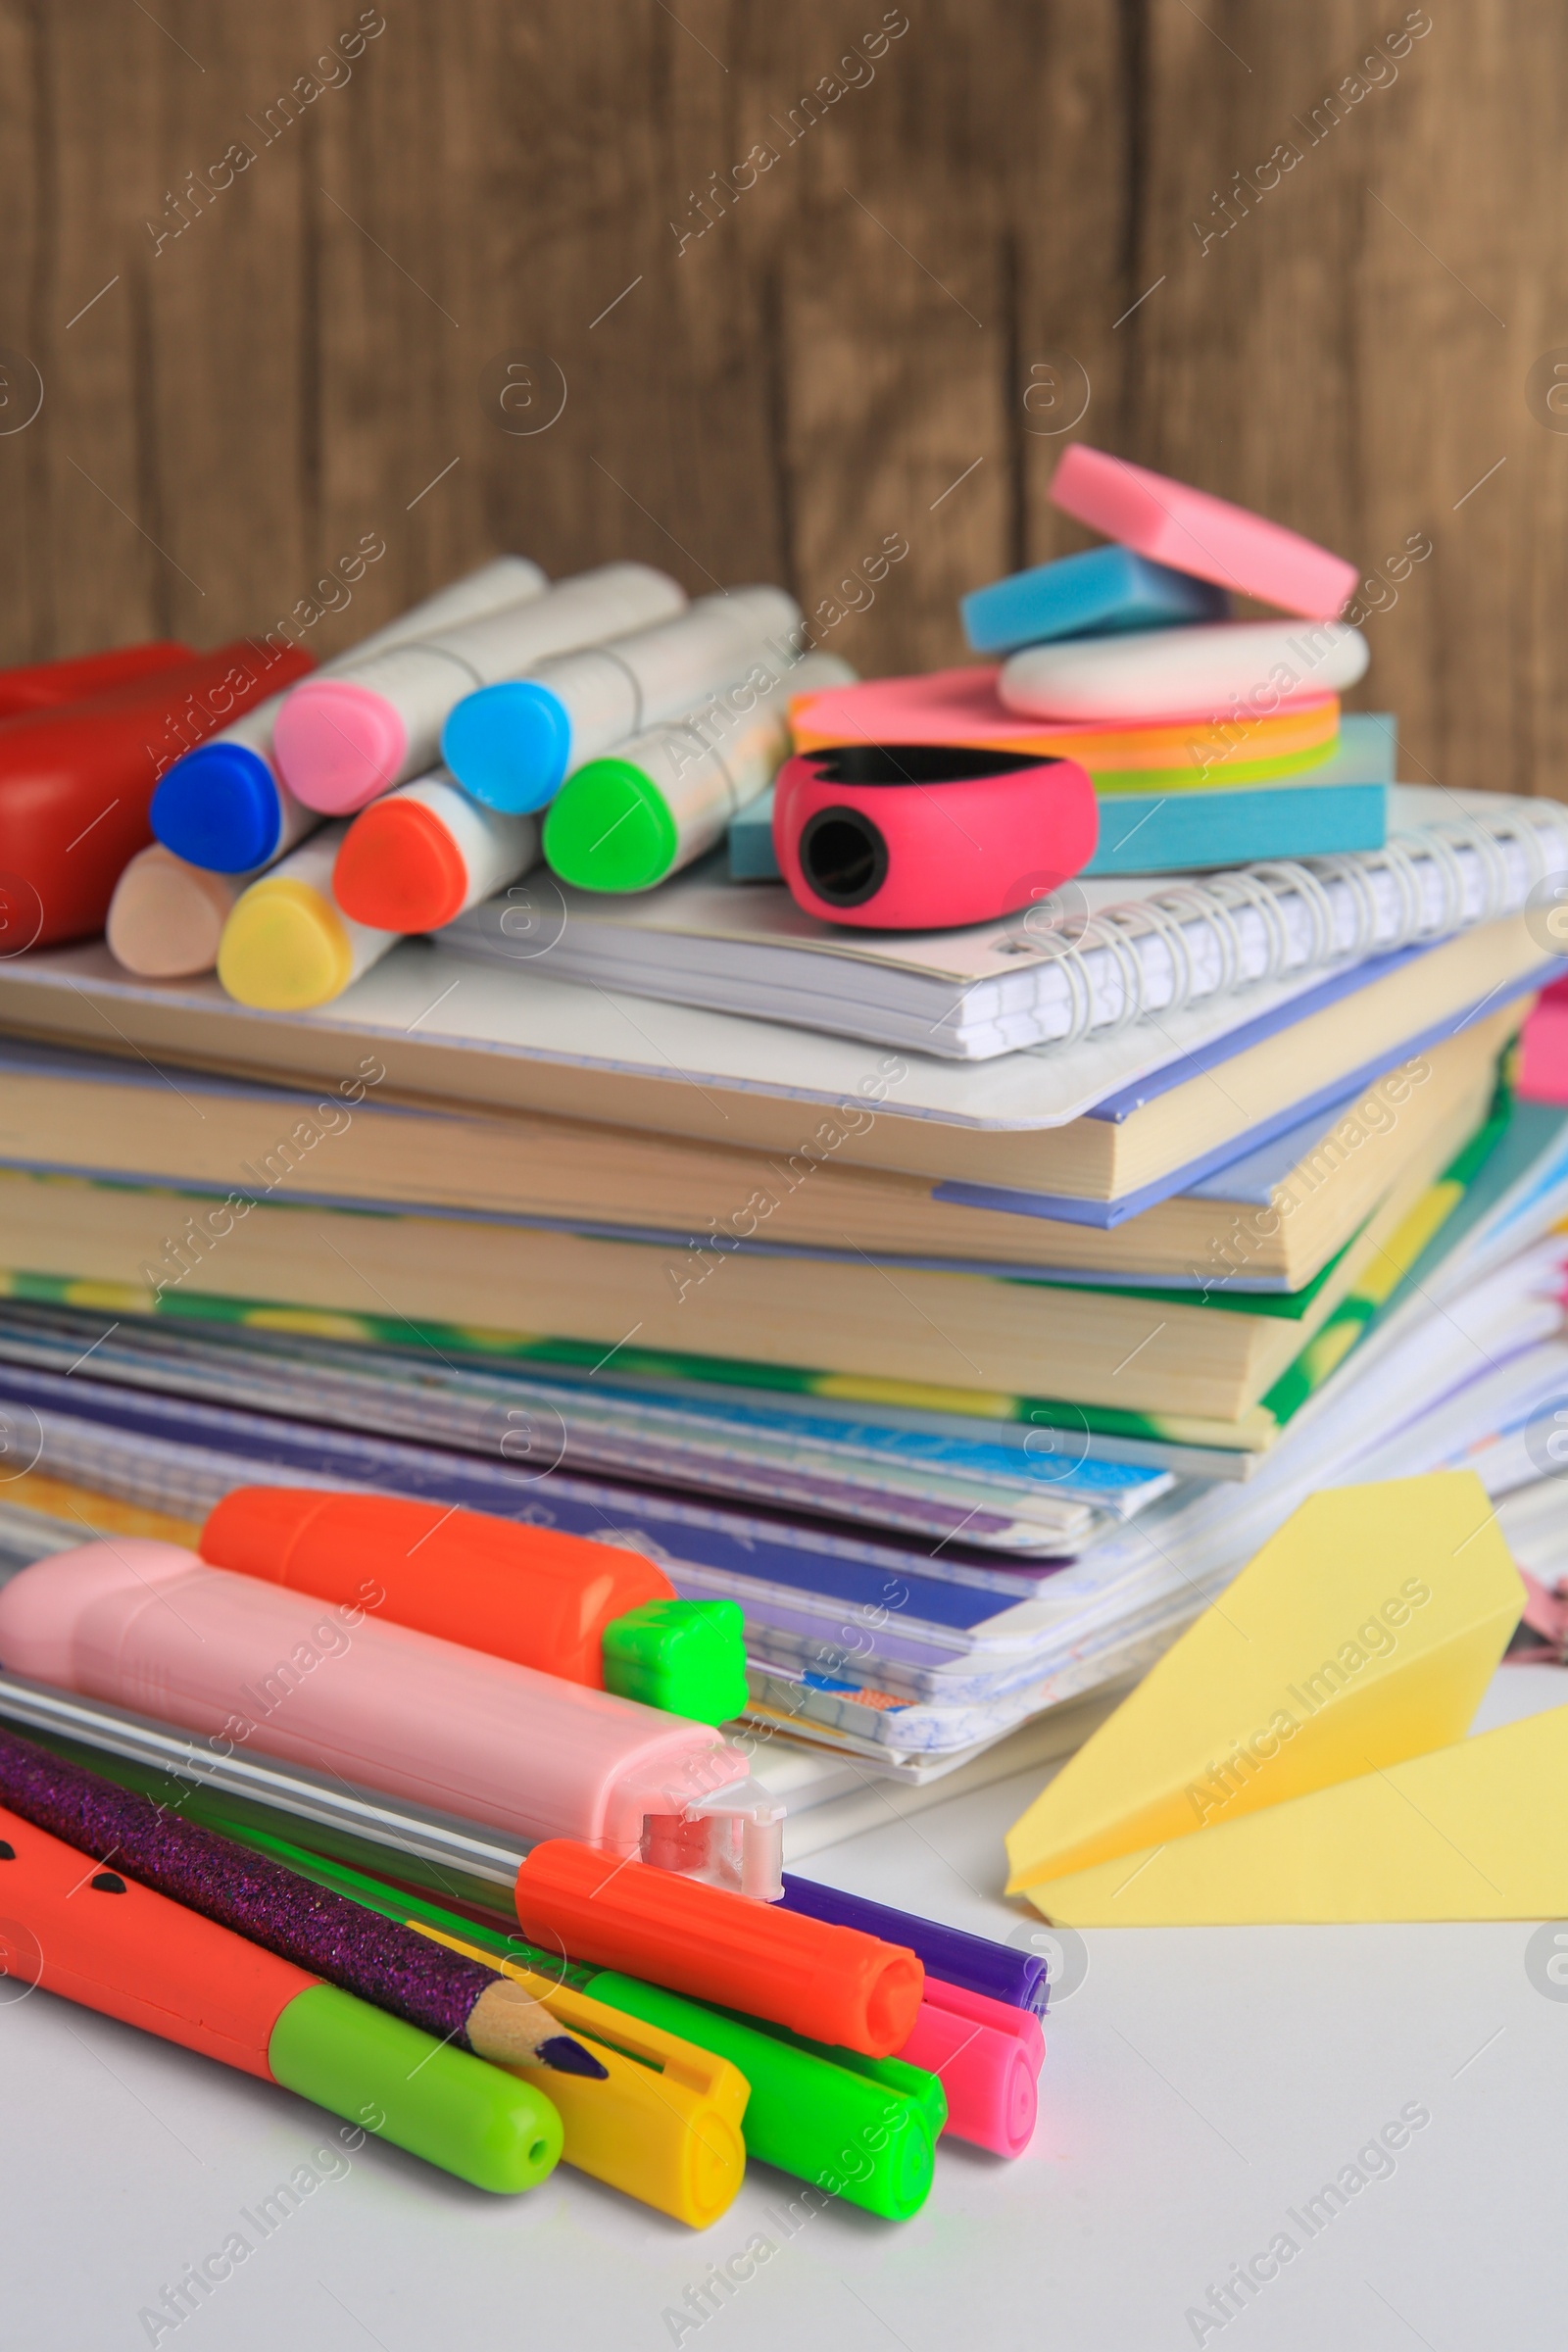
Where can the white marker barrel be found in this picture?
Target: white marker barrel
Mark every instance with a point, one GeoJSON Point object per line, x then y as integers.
{"type": "Point", "coordinates": [288, 945]}
{"type": "Point", "coordinates": [226, 806]}
{"type": "Point", "coordinates": [341, 741]}
{"type": "Point", "coordinates": [654, 804]}
{"type": "Point", "coordinates": [165, 917]}
{"type": "Point", "coordinates": [512, 745]}
{"type": "Point", "coordinates": [424, 855]}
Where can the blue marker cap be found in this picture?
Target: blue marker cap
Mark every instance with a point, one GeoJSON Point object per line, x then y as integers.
{"type": "Point", "coordinates": [219, 808]}
{"type": "Point", "coordinates": [509, 745]}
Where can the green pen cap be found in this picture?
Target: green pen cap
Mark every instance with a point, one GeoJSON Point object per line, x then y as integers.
{"type": "Point", "coordinates": [856, 2138]}
{"type": "Point", "coordinates": [424, 2095]}
{"type": "Point", "coordinates": [609, 827]}
{"type": "Point", "coordinates": [686, 1657]}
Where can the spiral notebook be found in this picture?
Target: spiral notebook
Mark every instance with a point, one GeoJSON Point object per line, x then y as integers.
{"type": "Point", "coordinates": [1095, 958]}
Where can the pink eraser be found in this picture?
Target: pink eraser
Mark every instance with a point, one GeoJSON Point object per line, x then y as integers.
{"type": "Point", "coordinates": [338, 747]}
{"type": "Point", "coordinates": [151, 1627]}
{"type": "Point", "coordinates": [988, 2056]}
{"type": "Point", "coordinates": [1190, 530]}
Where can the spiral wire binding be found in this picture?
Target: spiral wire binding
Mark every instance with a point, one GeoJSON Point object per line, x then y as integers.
{"type": "Point", "coordinates": [1265, 891]}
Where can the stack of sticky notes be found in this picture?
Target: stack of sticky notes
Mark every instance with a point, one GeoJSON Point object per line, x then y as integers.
{"type": "Point", "coordinates": [1211, 741]}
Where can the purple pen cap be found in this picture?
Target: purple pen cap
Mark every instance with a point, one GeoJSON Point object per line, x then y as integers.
{"type": "Point", "coordinates": [998, 1970]}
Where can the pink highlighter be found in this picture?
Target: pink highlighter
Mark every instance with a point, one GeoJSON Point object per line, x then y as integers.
{"type": "Point", "coordinates": [150, 1627]}
{"type": "Point", "coordinates": [988, 2056]}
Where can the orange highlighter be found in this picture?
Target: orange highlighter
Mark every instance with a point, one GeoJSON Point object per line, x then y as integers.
{"type": "Point", "coordinates": [590, 1613]}
{"type": "Point", "coordinates": [100, 1940]}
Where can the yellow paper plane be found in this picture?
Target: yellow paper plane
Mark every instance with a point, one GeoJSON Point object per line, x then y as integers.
{"type": "Point", "coordinates": [1363, 1633]}
{"type": "Point", "coordinates": [1476, 1830]}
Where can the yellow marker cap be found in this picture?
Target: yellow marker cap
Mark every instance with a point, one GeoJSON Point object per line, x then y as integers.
{"type": "Point", "coordinates": [284, 947]}
{"type": "Point", "coordinates": [664, 2126]}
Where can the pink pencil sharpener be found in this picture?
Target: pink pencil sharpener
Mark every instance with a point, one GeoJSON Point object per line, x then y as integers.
{"type": "Point", "coordinates": [925, 837]}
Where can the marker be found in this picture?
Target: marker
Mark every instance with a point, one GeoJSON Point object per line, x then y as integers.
{"type": "Point", "coordinates": [626, 821]}
{"type": "Point", "coordinates": [287, 945]}
{"type": "Point", "coordinates": [989, 2056]}
{"type": "Point", "coordinates": [863, 2137]}
{"type": "Point", "coordinates": [824, 1982]}
{"type": "Point", "coordinates": [43, 685]}
{"type": "Point", "coordinates": [591, 1614]}
{"type": "Point", "coordinates": [75, 783]}
{"type": "Point", "coordinates": [253, 1896]}
{"type": "Point", "coordinates": [830, 1984]}
{"type": "Point", "coordinates": [150, 1625]}
{"type": "Point", "coordinates": [1000, 1971]}
{"type": "Point", "coordinates": [226, 806]}
{"type": "Point", "coordinates": [165, 917]}
{"type": "Point", "coordinates": [376, 723]}
{"type": "Point", "coordinates": [424, 855]}
{"type": "Point", "coordinates": [510, 745]}
{"type": "Point", "coordinates": [664, 2125]}
{"type": "Point", "coordinates": [808, 2104]}
{"type": "Point", "coordinates": [97, 1938]}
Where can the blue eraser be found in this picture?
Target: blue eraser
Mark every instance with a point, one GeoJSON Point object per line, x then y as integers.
{"type": "Point", "coordinates": [509, 745]}
{"type": "Point", "coordinates": [219, 808]}
{"type": "Point", "coordinates": [751, 842]}
{"type": "Point", "coordinates": [1102, 591]}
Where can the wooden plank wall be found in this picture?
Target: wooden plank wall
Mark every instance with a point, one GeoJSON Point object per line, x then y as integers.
{"type": "Point", "coordinates": [805, 278]}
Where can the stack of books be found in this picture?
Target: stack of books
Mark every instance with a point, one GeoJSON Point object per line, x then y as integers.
{"type": "Point", "coordinates": [967, 1307]}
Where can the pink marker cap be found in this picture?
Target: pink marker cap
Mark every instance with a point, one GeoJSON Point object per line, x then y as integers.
{"type": "Point", "coordinates": [338, 745]}
{"type": "Point", "coordinates": [988, 2056]}
{"type": "Point", "coordinates": [1171, 523]}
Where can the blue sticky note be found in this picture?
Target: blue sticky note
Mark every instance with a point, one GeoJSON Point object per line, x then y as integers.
{"type": "Point", "coordinates": [1098, 594]}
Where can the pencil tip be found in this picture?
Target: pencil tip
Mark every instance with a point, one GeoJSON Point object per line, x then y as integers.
{"type": "Point", "coordinates": [568, 2057]}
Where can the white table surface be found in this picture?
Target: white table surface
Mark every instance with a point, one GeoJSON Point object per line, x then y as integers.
{"type": "Point", "coordinates": [1198, 2084]}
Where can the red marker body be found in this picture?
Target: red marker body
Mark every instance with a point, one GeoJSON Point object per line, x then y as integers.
{"type": "Point", "coordinates": [76, 784]}
{"type": "Point", "coordinates": [44, 685]}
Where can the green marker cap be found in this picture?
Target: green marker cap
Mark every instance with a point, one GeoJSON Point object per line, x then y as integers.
{"type": "Point", "coordinates": [686, 1657]}
{"type": "Point", "coordinates": [609, 827]}
{"type": "Point", "coordinates": [402, 2086]}
{"type": "Point", "coordinates": [859, 2138]}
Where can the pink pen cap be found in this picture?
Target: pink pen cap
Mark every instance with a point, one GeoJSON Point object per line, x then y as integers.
{"type": "Point", "coordinates": [341, 746]}
{"type": "Point", "coordinates": [988, 2057]}
{"type": "Point", "coordinates": [1192, 531]}
{"type": "Point", "coordinates": [150, 1627]}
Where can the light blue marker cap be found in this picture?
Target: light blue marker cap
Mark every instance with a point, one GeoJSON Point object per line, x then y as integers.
{"type": "Point", "coordinates": [509, 745]}
{"type": "Point", "coordinates": [219, 808]}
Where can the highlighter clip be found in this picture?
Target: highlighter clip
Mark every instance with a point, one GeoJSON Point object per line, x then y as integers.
{"type": "Point", "coordinates": [733, 1838]}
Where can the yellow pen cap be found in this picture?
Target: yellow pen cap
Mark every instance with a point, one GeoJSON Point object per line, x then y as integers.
{"type": "Point", "coordinates": [666, 2124]}
{"type": "Point", "coordinates": [284, 947]}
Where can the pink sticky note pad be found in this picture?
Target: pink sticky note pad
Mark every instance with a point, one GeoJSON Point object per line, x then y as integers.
{"type": "Point", "coordinates": [1190, 530]}
{"type": "Point", "coordinates": [962, 707]}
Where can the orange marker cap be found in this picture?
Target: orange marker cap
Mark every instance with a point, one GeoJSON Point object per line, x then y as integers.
{"type": "Point", "coordinates": [399, 868]}
{"type": "Point", "coordinates": [833, 1984]}
{"type": "Point", "coordinates": [529, 1594]}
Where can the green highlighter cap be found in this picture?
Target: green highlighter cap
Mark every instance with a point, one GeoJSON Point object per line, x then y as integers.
{"type": "Point", "coordinates": [686, 1657]}
{"type": "Point", "coordinates": [858, 2138]}
{"type": "Point", "coordinates": [609, 827]}
{"type": "Point", "coordinates": [402, 2086]}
